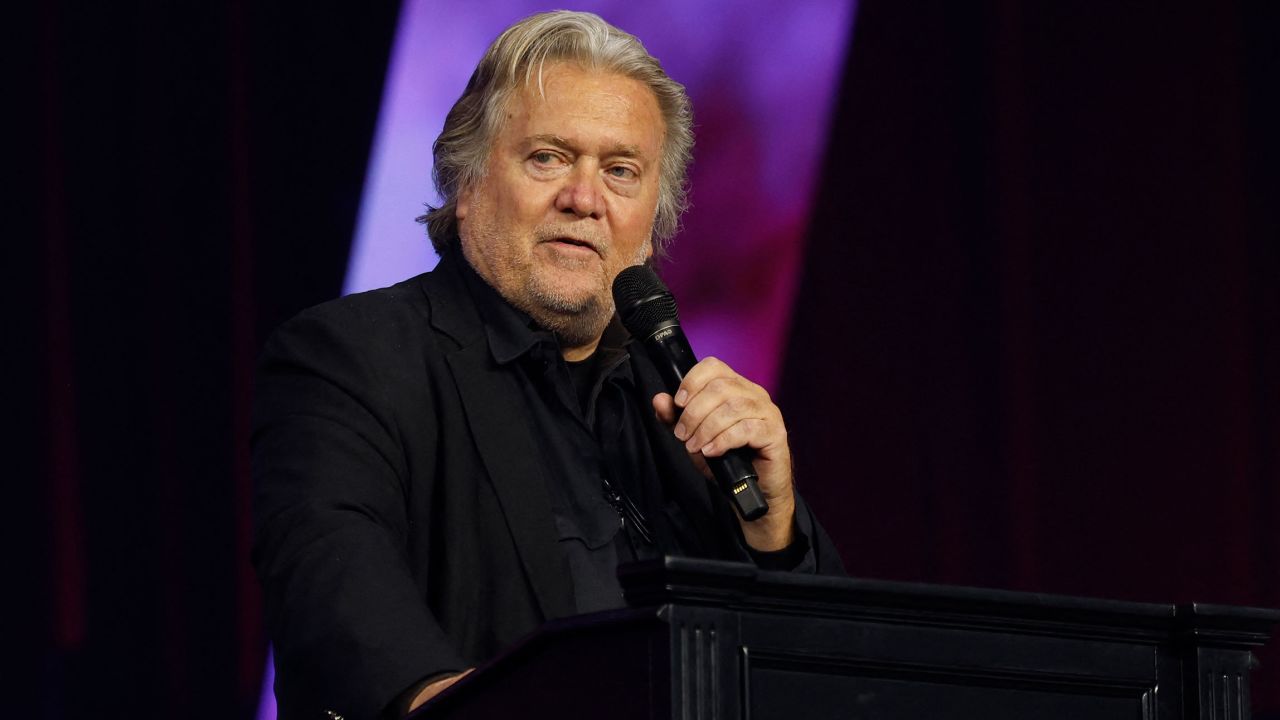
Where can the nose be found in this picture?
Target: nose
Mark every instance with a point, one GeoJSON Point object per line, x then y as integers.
{"type": "Point", "coordinates": [583, 192]}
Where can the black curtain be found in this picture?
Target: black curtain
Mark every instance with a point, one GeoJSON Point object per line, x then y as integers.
{"type": "Point", "coordinates": [196, 172]}
{"type": "Point", "coordinates": [1036, 343]}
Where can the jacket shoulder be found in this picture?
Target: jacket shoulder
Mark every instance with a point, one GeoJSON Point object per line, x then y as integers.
{"type": "Point", "coordinates": [398, 307]}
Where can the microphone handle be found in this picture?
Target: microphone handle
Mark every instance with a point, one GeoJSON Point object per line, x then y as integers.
{"type": "Point", "coordinates": [669, 349]}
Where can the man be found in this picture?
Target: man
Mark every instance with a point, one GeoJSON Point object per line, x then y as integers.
{"type": "Point", "coordinates": [445, 464]}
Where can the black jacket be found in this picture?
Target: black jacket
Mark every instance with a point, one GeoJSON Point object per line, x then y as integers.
{"type": "Point", "coordinates": [401, 526]}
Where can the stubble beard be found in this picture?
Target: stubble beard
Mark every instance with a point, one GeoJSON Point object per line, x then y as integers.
{"type": "Point", "coordinates": [577, 320]}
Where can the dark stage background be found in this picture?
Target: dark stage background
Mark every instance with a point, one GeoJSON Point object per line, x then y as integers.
{"type": "Point", "coordinates": [1035, 345]}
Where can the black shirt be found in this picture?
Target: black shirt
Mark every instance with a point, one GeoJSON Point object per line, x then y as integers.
{"type": "Point", "coordinates": [604, 490]}
{"type": "Point", "coordinates": [593, 445]}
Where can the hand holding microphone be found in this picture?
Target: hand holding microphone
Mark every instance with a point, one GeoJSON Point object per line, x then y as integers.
{"type": "Point", "coordinates": [718, 414]}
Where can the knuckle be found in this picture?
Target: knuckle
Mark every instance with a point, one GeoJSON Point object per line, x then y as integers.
{"type": "Point", "coordinates": [691, 416]}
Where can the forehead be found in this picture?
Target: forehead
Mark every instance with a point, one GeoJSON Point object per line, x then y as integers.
{"type": "Point", "coordinates": [585, 106]}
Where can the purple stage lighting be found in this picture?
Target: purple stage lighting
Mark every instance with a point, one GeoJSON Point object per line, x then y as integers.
{"type": "Point", "coordinates": [762, 76]}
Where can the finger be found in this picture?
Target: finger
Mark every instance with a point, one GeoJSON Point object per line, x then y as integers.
{"type": "Point", "coordinates": [741, 397]}
{"type": "Point", "coordinates": [747, 432]}
{"type": "Point", "coordinates": [709, 415]}
{"type": "Point", "coordinates": [664, 407]}
{"type": "Point", "coordinates": [707, 369]}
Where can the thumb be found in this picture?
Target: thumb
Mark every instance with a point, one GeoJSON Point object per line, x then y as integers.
{"type": "Point", "coordinates": [664, 407]}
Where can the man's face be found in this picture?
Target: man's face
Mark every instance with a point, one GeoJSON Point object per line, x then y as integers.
{"type": "Point", "coordinates": [568, 199]}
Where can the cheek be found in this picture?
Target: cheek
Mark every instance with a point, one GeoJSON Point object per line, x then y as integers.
{"type": "Point", "coordinates": [516, 196]}
{"type": "Point", "coordinates": [532, 205]}
{"type": "Point", "coordinates": [635, 223]}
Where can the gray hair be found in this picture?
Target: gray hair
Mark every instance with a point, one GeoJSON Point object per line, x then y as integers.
{"type": "Point", "coordinates": [461, 151]}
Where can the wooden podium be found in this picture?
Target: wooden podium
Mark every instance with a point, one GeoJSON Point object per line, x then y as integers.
{"type": "Point", "coordinates": [707, 640]}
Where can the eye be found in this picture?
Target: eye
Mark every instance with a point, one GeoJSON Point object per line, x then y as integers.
{"type": "Point", "coordinates": [622, 172]}
{"type": "Point", "coordinates": [545, 157]}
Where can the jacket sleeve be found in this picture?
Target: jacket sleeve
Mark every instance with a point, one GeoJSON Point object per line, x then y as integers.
{"type": "Point", "coordinates": [812, 551]}
{"type": "Point", "coordinates": [350, 626]}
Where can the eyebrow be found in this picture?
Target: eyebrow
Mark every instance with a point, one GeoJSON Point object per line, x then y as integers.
{"type": "Point", "coordinates": [629, 151]}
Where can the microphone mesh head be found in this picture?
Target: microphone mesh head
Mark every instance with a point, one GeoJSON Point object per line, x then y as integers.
{"type": "Point", "coordinates": [643, 302]}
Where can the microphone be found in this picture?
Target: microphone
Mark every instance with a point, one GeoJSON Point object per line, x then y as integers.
{"type": "Point", "coordinates": [648, 311]}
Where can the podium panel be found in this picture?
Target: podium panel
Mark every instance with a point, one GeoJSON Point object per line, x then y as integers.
{"type": "Point", "coordinates": [708, 640]}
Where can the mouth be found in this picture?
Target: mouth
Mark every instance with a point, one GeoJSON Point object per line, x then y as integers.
{"type": "Point", "coordinates": [568, 242]}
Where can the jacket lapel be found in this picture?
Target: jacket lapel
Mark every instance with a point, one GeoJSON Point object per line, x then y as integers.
{"type": "Point", "coordinates": [503, 438]}
{"type": "Point", "coordinates": [508, 450]}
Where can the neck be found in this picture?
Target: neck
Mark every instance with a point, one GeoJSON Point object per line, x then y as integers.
{"type": "Point", "coordinates": [580, 352]}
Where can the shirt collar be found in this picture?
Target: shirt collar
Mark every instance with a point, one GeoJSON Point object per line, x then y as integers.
{"type": "Point", "coordinates": [513, 334]}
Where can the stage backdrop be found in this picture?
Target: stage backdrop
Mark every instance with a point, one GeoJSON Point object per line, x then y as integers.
{"type": "Point", "coordinates": [1033, 340]}
{"type": "Point", "coordinates": [1037, 340]}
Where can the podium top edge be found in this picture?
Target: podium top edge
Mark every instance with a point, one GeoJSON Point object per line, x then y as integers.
{"type": "Point", "coordinates": [699, 581]}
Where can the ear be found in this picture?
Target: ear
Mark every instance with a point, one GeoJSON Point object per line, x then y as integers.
{"type": "Point", "coordinates": [463, 205]}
